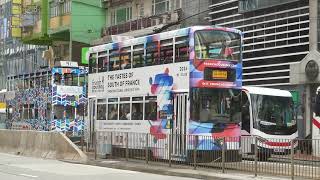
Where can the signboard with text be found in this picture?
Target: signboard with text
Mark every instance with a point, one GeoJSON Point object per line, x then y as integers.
{"type": "Point", "coordinates": [137, 81]}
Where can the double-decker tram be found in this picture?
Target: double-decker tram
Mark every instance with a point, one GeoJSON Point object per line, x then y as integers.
{"type": "Point", "coordinates": [181, 84]}
{"type": "Point", "coordinates": [51, 99]}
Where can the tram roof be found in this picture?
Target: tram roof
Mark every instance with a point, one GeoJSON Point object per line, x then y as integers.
{"type": "Point", "coordinates": [267, 91]}
{"type": "Point", "coordinates": [163, 35]}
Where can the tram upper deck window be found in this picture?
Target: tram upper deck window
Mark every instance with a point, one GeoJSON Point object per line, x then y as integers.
{"type": "Point", "coordinates": [182, 49]}
{"type": "Point", "coordinates": [138, 56]}
{"type": "Point", "coordinates": [166, 51]}
{"type": "Point", "coordinates": [82, 80]}
{"type": "Point", "coordinates": [152, 54]}
{"type": "Point", "coordinates": [103, 64]}
{"type": "Point", "coordinates": [214, 44]}
{"type": "Point", "coordinates": [57, 79]}
{"type": "Point", "coordinates": [70, 79]}
{"type": "Point", "coordinates": [114, 61]}
{"type": "Point", "coordinates": [125, 58]}
{"type": "Point", "coordinates": [93, 63]}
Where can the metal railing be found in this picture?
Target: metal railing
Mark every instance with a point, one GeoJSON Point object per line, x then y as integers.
{"type": "Point", "coordinates": [284, 157]}
{"type": "Point", "coordinates": [140, 23]}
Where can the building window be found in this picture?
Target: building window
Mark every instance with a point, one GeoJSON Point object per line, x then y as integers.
{"type": "Point", "coordinates": [57, 9]}
{"type": "Point", "coordinates": [66, 7]}
{"type": "Point", "coordinates": [160, 6]}
{"type": "Point", "coordinates": [54, 10]}
{"type": "Point", "coordinates": [121, 15]}
{"type": "Point", "coordinates": [141, 10]}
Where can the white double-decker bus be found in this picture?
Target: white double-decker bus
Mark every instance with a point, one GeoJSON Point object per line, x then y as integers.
{"type": "Point", "coordinates": [183, 83]}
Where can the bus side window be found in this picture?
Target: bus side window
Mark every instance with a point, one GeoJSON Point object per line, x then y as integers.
{"type": "Point", "coordinates": [182, 49]}
{"type": "Point", "coordinates": [166, 51]}
{"type": "Point", "coordinates": [138, 56]}
{"type": "Point", "coordinates": [245, 112]}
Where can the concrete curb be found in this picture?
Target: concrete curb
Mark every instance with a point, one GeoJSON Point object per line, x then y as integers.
{"type": "Point", "coordinates": [172, 171]}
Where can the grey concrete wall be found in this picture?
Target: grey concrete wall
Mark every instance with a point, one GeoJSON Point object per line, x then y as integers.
{"type": "Point", "coordinates": [51, 145]}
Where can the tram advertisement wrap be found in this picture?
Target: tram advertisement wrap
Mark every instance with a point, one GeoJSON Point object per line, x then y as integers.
{"type": "Point", "coordinates": [136, 81]}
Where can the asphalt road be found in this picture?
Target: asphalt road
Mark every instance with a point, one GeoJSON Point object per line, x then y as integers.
{"type": "Point", "coordinates": [26, 168]}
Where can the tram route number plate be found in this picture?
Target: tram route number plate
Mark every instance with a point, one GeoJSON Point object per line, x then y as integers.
{"type": "Point", "coordinates": [219, 74]}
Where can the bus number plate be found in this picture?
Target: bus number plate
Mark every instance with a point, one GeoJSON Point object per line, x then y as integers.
{"type": "Point", "coordinates": [218, 74]}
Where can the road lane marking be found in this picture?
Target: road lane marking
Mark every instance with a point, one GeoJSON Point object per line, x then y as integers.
{"type": "Point", "coordinates": [28, 175]}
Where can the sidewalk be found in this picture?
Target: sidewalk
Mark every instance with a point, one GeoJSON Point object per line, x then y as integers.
{"type": "Point", "coordinates": [175, 170]}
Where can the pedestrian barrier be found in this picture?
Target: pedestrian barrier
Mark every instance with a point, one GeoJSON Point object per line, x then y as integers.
{"type": "Point", "coordinates": [284, 157]}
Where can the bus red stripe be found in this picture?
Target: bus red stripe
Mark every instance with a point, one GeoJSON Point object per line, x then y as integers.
{"type": "Point", "coordinates": [278, 143]}
{"type": "Point", "coordinates": [316, 123]}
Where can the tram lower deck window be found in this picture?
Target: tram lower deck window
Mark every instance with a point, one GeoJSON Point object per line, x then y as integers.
{"type": "Point", "coordinates": [112, 111]}
{"type": "Point", "coordinates": [101, 111]}
{"type": "Point", "coordinates": [151, 108]}
{"type": "Point", "coordinates": [125, 111]}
